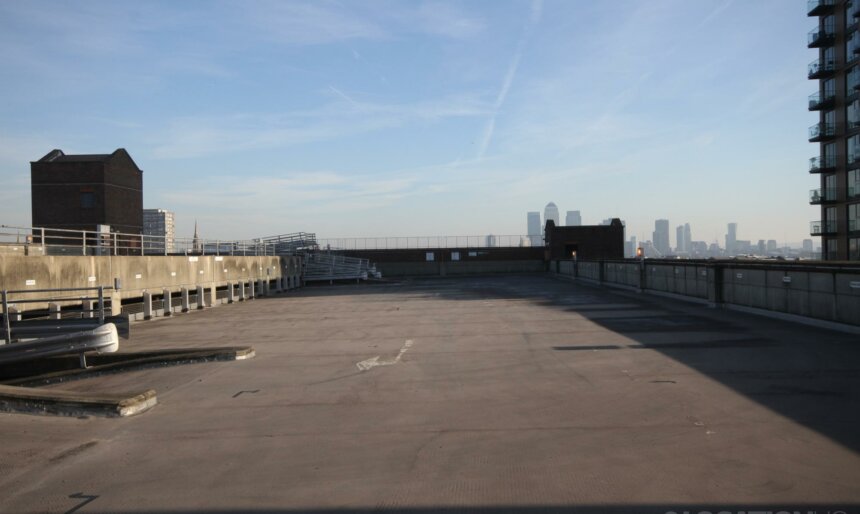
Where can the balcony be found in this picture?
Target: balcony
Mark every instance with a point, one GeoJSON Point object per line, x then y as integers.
{"type": "Point", "coordinates": [822, 132]}
{"type": "Point", "coordinates": [819, 101]}
{"type": "Point", "coordinates": [819, 7]}
{"type": "Point", "coordinates": [822, 195]}
{"type": "Point", "coordinates": [820, 228]}
{"type": "Point", "coordinates": [819, 38]}
{"type": "Point", "coordinates": [819, 69]}
{"type": "Point", "coordinates": [822, 164]}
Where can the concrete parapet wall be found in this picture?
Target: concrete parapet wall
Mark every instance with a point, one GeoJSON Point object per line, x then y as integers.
{"type": "Point", "coordinates": [812, 290]}
{"type": "Point", "coordinates": [140, 273]}
{"type": "Point", "coordinates": [469, 261]}
{"type": "Point", "coordinates": [403, 269]}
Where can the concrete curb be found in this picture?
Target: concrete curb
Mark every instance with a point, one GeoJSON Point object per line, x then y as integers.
{"type": "Point", "coordinates": [68, 403]}
{"type": "Point", "coordinates": [127, 361]}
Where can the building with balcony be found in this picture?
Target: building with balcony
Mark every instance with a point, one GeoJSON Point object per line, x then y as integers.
{"type": "Point", "coordinates": [836, 69]}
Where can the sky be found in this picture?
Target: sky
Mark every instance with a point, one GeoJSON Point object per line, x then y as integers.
{"type": "Point", "coordinates": [415, 118]}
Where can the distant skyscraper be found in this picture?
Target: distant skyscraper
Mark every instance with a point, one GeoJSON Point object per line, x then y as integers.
{"type": "Point", "coordinates": [771, 245]}
{"type": "Point", "coordinates": [807, 245]}
{"type": "Point", "coordinates": [534, 228]}
{"type": "Point", "coordinates": [550, 212]}
{"type": "Point", "coordinates": [660, 237]}
{"type": "Point", "coordinates": [680, 244]}
{"type": "Point", "coordinates": [732, 239]}
{"type": "Point", "coordinates": [491, 241]}
{"type": "Point", "coordinates": [688, 238]}
{"type": "Point", "coordinates": [159, 224]}
{"type": "Point", "coordinates": [573, 219]}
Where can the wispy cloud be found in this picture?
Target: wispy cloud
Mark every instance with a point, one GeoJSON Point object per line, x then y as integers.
{"type": "Point", "coordinates": [198, 136]}
{"type": "Point", "coordinates": [490, 127]}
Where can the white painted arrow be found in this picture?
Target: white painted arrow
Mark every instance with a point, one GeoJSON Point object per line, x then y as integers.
{"type": "Point", "coordinates": [373, 362]}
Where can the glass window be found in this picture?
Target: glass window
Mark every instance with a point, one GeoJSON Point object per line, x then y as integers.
{"type": "Point", "coordinates": [830, 181]}
{"type": "Point", "coordinates": [854, 217]}
{"type": "Point", "coordinates": [852, 79]}
{"type": "Point", "coordinates": [853, 183]}
{"type": "Point", "coordinates": [851, 43]}
{"type": "Point", "coordinates": [853, 148]}
{"type": "Point", "coordinates": [850, 9]}
{"type": "Point", "coordinates": [830, 87]}
{"type": "Point", "coordinates": [854, 248]}
{"type": "Point", "coordinates": [853, 114]}
{"type": "Point", "coordinates": [831, 249]}
{"type": "Point", "coordinates": [829, 61]}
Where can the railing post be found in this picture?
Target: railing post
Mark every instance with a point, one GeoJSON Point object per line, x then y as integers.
{"type": "Point", "coordinates": [7, 335]}
{"type": "Point", "coordinates": [115, 244]}
{"type": "Point", "coordinates": [185, 301]}
{"type": "Point", "coordinates": [101, 305]}
{"type": "Point", "coordinates": [147, 305]}
{"type": "Point", "coordinates": [85, 242]}
{"type": "Point", "coordinates": [166, 302]}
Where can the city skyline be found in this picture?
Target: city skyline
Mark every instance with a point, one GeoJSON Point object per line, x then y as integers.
{"type": "Point", "coordinates": [362, 120]}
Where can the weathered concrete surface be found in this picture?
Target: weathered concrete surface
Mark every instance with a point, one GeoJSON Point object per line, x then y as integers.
{"type": "Point", "coordinates": [521, 392]}
{"type": "Point", "coordinates": [139, 273]}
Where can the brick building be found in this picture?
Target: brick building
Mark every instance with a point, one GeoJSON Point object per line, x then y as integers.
{"type": "Point", "coordinates": [80, 192]}
{"type": "Point", "coordinates": [590, 242]}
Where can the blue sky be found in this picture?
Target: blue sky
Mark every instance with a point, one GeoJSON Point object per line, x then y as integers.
{"type": "Point", "coordinates": [379, 118]}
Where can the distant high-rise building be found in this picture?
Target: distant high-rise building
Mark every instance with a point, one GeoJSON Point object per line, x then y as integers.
{"type": "Point", "coordinates": [731, 239]}
{"type": "Point", "coordinates": [633, 246]}
{"type": "Point", "coordinates": [491, 241]}
{"type": "Point", "coordinates": [762, 247]}
{"type": "Point", "coordinates": [158, 223]}
{"type": "Point", "coordinates": [771, 245]}
{"type": "Point", "coordinates": [660, 237]}
{"type": "Point", "coordinates": [680, 240]}
{"type": "Point", "coordinates": [534, 228]}
{"type": "Point", "coordinates": [573, 219]}
{"type": "Point", "coordinates": [807, 246]}
{"type": "Point", "coordinates": [688, 238]}
{"type": "Point", "coordinates": [550, 212]}
{"type": "Point", "coordinates": [837, 159]}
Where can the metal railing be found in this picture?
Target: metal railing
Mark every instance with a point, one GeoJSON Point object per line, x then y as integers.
{"type": "Point", "coordinates": [821, 130]}
{"type": "Point", "coordinates": [819, 99]}
{"type": "Point", "coordinates": [405, 243]}
{"type": "Point", "coordinates": [818, 67]}
{"type": "Point", "coordinates": [53, 241]}
{"type": "Point", "coordinates": [822, 195]}
{"type": "Point", "coordinates": [816, 164]}
{"type": "Point", "coordinates": [321, 266]}
{"type": "Point", "coordinates": [815, 6]}
{"type": "Point", "coordinates": [56, 295]}
{"type": "Point", "coordinates": [33, 338]}
{"type": "Point", "coordinates": [820, 36]}
{"type": "Point", "coordinates": [817, 228]}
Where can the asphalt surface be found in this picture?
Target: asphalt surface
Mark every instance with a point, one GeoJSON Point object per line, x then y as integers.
{"type": "Point", "coordinates": [519, 393]}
